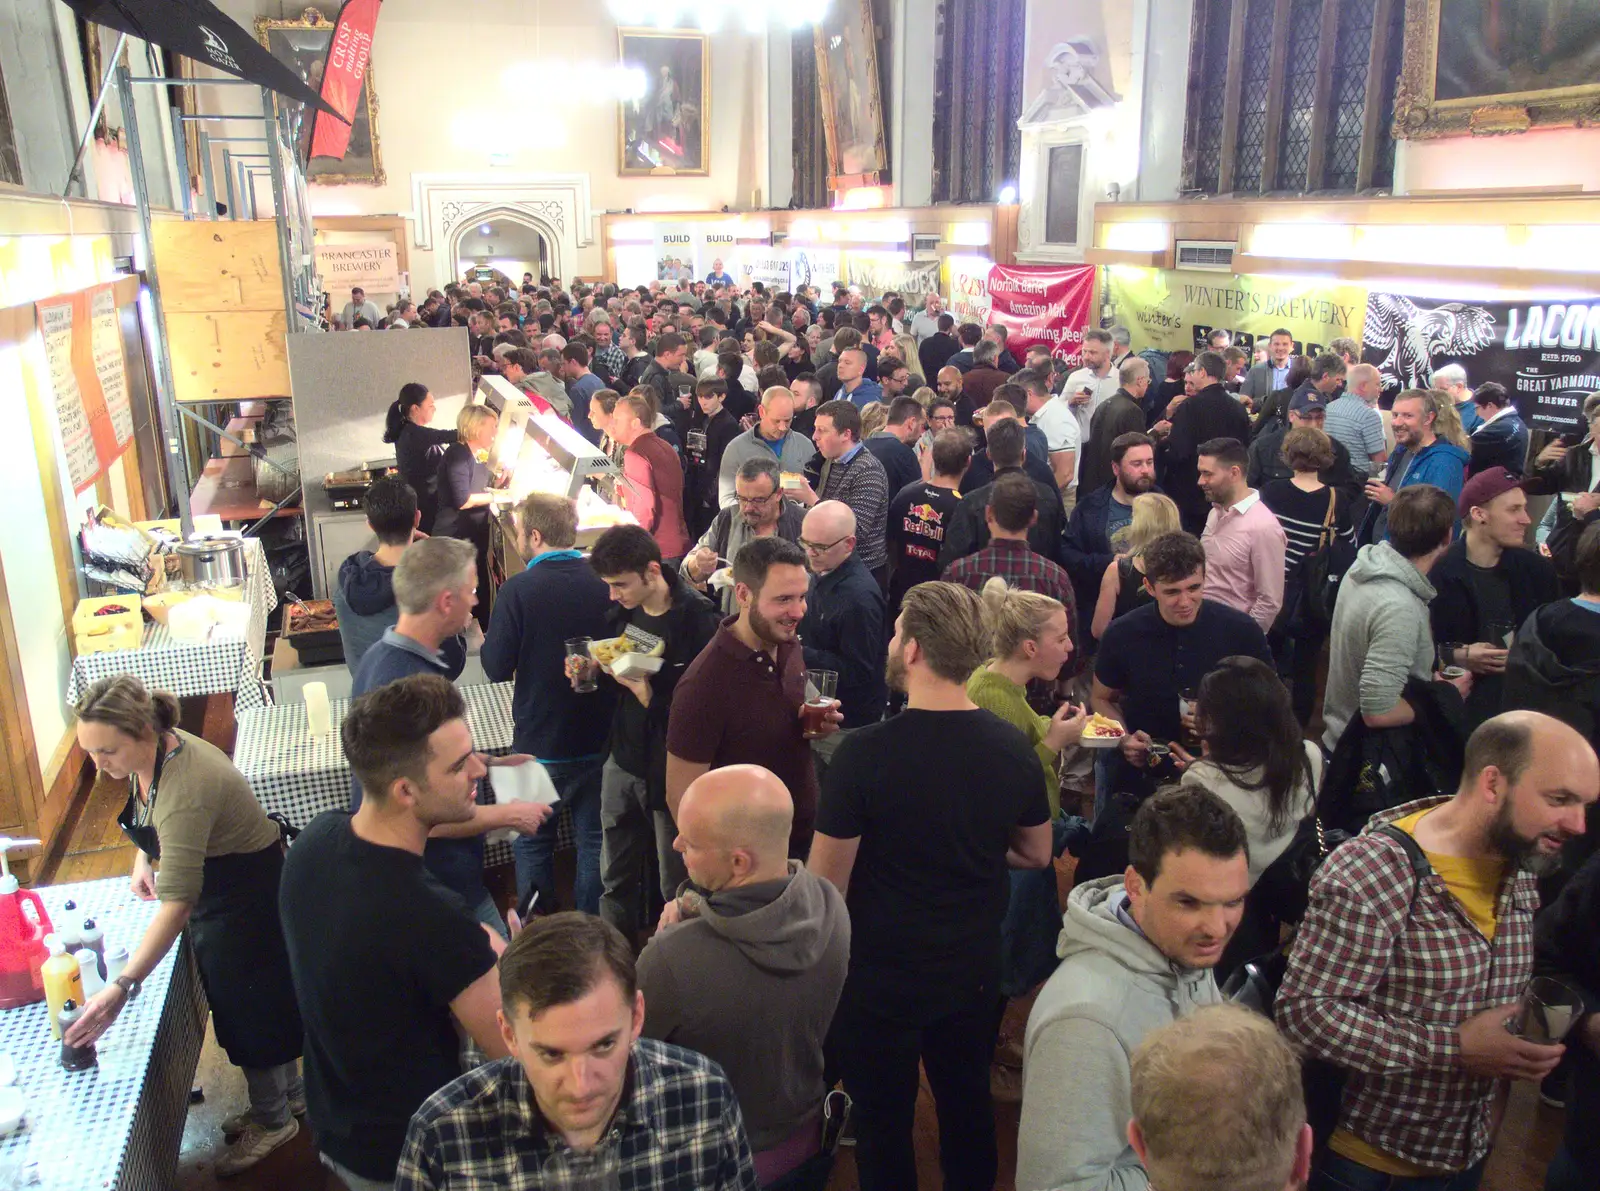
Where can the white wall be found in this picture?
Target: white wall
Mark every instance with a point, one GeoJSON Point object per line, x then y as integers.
{"type": "Point", "coordinates": [1555, 157]}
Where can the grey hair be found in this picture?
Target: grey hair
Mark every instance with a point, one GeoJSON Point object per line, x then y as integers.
{"type": "Point", "coordinates": [1450, 374]}
{"type": "Point", "coordinates": [1096, 335]}
{"type": "Point", "coordinates": [428, 569]}
{"type": "Point", "coordinates": [752, 470]}
{"type": "Point", "coordinates": [1591, 403]}
{"type": "Point", "coordinates": [1132, 369]}
{"type": "Point", "coordinates": [987, 352]}
{"type": "Point", "coordinates": [1121, 336]}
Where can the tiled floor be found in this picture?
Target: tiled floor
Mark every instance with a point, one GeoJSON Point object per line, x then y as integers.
{"type": "Point", "coordinates": [1527, 1140]}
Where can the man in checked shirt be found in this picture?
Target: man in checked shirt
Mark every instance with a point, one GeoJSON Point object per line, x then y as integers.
{"type": "Point", "coordinates": [583, 1103]}
{"type": "Point", "coordinates": [1406, 978]}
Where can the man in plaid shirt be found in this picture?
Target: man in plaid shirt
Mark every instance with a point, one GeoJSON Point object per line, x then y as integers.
{"type": "Point", "coordinates": [583, 1103]}
{"type": "Point", "coordinates": [1406, 979]}
{"type": "Point", "coordinates": [1013, 506]}
{"type": "Point", "coordinates": [608, 358]}
{"type": "Point", "coordinates": [852, 474]}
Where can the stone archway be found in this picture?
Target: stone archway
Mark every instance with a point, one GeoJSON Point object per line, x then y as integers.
{"type": "Point", "coordinates": [469, 218]}
{"type": "Point", "coordinates": [555, 205]}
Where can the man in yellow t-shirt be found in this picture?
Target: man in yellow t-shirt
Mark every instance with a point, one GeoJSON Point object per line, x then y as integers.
{"type": "Point", "coordinates": [1406, 969]}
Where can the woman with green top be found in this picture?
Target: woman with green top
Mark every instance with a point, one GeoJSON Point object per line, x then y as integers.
{"type": "Point", "coordinates": [1031, 640]}
{"type": "Point", "coordinates": [209, 854]}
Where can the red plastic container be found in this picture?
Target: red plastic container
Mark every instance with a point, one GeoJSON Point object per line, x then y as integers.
{"type": "Point", "coordinates": [23, 926]}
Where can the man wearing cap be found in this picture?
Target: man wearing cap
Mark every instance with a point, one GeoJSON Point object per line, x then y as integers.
{"type": "Point", "coordinates": [1308, 407]}
{"type": "Point", "coordinates": [1488, 584]}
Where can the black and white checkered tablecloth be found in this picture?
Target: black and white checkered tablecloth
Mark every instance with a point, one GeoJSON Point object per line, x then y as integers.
{"type": "Point", "coordinates": [299, 775]}
{"type": "Point", "coordinates": [226, 664]}
{"type": "Point", "coordinates": [118, 1124]}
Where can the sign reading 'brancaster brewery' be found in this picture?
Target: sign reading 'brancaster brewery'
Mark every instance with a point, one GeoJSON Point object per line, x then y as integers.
{"type": "Point", "coordinates": [373, 267]}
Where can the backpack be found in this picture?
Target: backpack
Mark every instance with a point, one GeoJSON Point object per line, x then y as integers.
{"type": "Point", "coordinates": [1317, 579]}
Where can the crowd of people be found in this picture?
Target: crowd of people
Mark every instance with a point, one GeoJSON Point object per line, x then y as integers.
{"type": "Point", "coordinates": [1275, 666]}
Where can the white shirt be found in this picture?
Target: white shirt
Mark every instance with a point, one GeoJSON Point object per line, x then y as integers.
{"type": "Point", "coordinates": [924, 325]}
{"type": "Point", "coordinates": [1059, 422]}
{"type": "Point", "coordinates": [1104, 388]}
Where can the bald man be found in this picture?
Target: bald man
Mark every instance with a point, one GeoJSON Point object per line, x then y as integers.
{"type": "Point", "coordinates": [750, 972]}
{"type": "Point", "coordinates": [949, 382]}
{"type": "Point", "coordinates": [1353, 419]}
{"type": "Point", "coordinates": [1452, 879]}
{"type": "Point", "coordinates": [843, 629]}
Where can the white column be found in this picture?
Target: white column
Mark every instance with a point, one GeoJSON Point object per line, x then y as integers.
{"type": "Point", "coordinates": [780, 117]}
{"type": "Point", "coordinates": [915, 53]}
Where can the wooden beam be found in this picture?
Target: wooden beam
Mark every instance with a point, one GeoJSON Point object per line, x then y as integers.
{"type": "Point", "coordinates": [1280, 57]}
{"type": "Point", "coordinates": [1230, 100]}
{"type": "Point", "coordinates": [1326, 48]}
{"type": "Point", "coordinates": [1371, 119]}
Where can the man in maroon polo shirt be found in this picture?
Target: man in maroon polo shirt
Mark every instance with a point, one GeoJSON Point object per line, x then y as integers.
{"type": "Point", "coordinates": [739, 702]}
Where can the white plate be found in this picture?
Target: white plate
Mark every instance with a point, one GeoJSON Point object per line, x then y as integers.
{"type": "Point", "coordinates": [629, 664]}
{"type": "Point", "coordinates": [1102, 742]}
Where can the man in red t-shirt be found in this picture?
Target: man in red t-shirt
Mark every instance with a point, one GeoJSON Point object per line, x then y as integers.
{"type": "Point", "coordinates": [653, 477]}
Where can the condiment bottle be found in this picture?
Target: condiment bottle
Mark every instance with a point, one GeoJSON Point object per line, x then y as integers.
{"type": "Point", "coordinates": [69, 934]}
{"type": "Point", "coordinates": [89, 969]}
{"type": "Point", "coordinates": [63, 981]}
{"type": "Point", "coordinates": [73, 1058]}
{"type": "Point", "coordinates": [95, 940]}
{"type": "Point", "coordinates": [116, 960]}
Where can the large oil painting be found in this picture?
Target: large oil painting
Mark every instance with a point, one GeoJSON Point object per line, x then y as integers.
{"type": "Point", "coordinates": [663, 127]}
{"type": "Point", "coordinates": [303, 46]}
{"type": "Point", "coordinates": [1497, 66]}
{"type": "Point", "coordinates": [847, 69]}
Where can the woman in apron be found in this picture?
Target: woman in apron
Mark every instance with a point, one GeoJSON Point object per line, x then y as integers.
{"type": "Point", "coordinates": [219, 861]}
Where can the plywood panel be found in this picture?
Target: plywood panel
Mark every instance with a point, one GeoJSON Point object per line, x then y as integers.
{"type": "Point", "coordinates": [228, 356]}
{"type": "Point", "coordinates": [218, 266]}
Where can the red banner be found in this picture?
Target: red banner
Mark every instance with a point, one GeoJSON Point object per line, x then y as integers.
{"type": "Point", "coordinates": [1042, 304]}
{"type": "Point", "coordinates": [343, 74]}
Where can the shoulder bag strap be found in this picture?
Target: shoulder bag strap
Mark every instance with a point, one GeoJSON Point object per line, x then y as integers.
{"type": "Point", "coordinates": [1325, 538]}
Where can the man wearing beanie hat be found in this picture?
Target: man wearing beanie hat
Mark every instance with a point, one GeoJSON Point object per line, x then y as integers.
{"type": "Point", "coordinates": [1488, 583]}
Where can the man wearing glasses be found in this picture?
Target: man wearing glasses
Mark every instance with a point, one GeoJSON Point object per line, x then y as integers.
{"type": "Point", "coordinates": [760, 512]}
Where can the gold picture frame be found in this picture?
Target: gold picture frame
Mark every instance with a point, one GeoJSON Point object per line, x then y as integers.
{"type": "Point", "coordinates": [302, 46]}
{"type": "Point", "coordinates": [846, 43]}
{"type": "Point", "coordinates": [1476, 83]}
{"type": "Point", "coordinates": [662, 133]}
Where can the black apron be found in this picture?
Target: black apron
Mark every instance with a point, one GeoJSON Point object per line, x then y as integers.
{"type": "Point", "coordinates": [238, 945]}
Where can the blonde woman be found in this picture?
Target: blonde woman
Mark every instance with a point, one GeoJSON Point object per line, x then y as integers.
{"type": "Point", "coordinates": [1122, 587]}
{"type": "Point", "coordinates": [1447, 420]}
{"type": "Point", "coordinates": [874, 417]}
{"type": "Point", "coordinates": [464, 491]}
{"type": "Point", "coordinates": [1031, 641]}
{"type": "Point", "coordinates": [905, 346]}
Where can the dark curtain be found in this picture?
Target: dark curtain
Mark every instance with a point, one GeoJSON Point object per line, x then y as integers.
{"type": "Point", "coordinates": [810, 145]}
{"type": "Point", "coordinates": [977, 99]}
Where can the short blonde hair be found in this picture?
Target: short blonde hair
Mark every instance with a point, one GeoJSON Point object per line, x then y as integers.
{"type": "Point", "coordinates": [1013, 616]}
{"type": "Point", "coordinates": [924, 397]}
{"type": "Point", "coordinates": [1154, 514]}
{"type": "Point", "coordinates": [946, 620]}
{"type": "Point", "coordinates": [472, 419]}
{"type": "Point", "coordinates": [1218, 1100]}
{"type": "Point", "coordinates": [874, 417]}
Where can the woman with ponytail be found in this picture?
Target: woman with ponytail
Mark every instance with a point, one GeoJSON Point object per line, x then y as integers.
{"type": "Point", "coordinates": [417, 447]}
{"type": "Point", "coordinates": [190, 811]}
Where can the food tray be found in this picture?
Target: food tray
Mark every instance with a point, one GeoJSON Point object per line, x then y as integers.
{"type": "Point", "coordinates": [119, 630]}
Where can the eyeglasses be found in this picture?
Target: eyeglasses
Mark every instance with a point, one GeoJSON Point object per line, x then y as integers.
{"type": "Point", "coordinates": [818, 547]}
{"type": "Point", "coordinates": [756, 500]}
{"type": "Point", "coordinates": [943, 420]}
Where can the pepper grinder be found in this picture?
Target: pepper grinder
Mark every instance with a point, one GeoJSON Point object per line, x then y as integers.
{"type": "Point", "coordinates": [74, 1058]}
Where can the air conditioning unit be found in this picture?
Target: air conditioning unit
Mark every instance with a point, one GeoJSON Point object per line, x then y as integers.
{"type": "Point", "coordinates": [1216, 255]}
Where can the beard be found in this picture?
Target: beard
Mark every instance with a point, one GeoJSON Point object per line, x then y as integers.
{"type": "Point", "coordinates": [894, 671]}
{"type": "Point", "coordinates": [769, 630]}
{"type": "Point", "coordinates": [1518, 850]}
{"type": "Point", "coordinates": [1137, 485]}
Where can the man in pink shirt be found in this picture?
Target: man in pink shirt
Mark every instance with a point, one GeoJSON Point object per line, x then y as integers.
{"type": "Point", "coordinates": [652, 488]}
{"type": "Point", "coordinates": [1243, 539]}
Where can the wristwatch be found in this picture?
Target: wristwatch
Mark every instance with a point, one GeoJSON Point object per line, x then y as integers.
{"type": "Point", "coordinates": [129, 986]}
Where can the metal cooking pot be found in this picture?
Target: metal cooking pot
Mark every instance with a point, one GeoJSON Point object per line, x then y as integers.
{"type": "Point", "coordinates": [218, 561]}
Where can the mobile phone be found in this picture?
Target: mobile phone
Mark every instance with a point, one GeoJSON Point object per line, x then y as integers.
{"type": "Point", "coordinates": [526, 905]}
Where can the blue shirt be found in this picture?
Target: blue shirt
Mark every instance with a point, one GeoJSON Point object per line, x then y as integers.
{"type": "Point", "coordinates": [1117, 515]}
{"type": "Point", "coordinates": [1280, 377]}
{"type": "Point", "coordinates": [864, 395]}
{"type": "Point", "coordinates": [578, 392]}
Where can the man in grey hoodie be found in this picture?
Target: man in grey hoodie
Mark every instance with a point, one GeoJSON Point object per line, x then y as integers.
{"type": "Point", "coordinates": [1136, 954]}
{"type": "Point", "coordinates": [1381, 634]}
{"type": "Point", "coordinates": [749, 972]}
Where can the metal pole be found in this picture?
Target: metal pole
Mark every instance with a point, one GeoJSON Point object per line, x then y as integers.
{"type": "Point", "coordinates": [166, 405]}
{"type": "Point", "coordinates": [94, 113]}
{"type": "Point", "coordinates": [227, 176]}
{"type": "Point", "coordinates": [180, 144]}
{"type": "Point", "coordinates": [158, 81]}
{"type": "Point", "coordinates": [280, 208]}
{"type": "Point", "coordinates": [209, 193]}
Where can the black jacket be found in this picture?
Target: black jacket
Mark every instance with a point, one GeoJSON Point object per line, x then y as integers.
{"type": "Point", "coordinates": [968, 532]}
{"type": "Point", "coordinates": [934, 352]}
{"type": "Point", "coordinates": [1266, 464]}
{"type": "Point", "coordinates": [1086, 547]}
{"type": "Point", "coordinates": [1574, 472]}
{"type": "Point", "coordinates": [1566, 945]}
{"type": "Point", "coordinates": [843, 632]}
{"type": "Point", "coordinates": [1554, 667]}
{"type": "Point", "coordinates": [1118, 414]}
{"type": "Point", "coordinates": [1374, 769]}
{"type": "Point", "coordinates": [1500, 443]}
{"type": "Point", "coordinates": [899, 461]}
{"type": "Point", "coordinates": [1213, 412]}
{"type": "Point", "coordinates": [691, 622]}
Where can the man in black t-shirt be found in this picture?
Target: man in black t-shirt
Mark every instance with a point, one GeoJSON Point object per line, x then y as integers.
{"type": "Point", "coordinates": [386, 963]}
{"type": "Point", "coordinates": [919, 819]}
{"type": "Point", "coordinates": [661, 616]}
{"type": "Point", "coordinates": [918, 514]}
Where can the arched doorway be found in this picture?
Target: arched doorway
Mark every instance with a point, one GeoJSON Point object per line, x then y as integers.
{"type": "Point", "coordinates": [504, 238]}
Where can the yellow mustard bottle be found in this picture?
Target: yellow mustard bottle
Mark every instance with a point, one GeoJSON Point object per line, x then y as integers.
{"type": "Point", "coordinates": [63, 981]}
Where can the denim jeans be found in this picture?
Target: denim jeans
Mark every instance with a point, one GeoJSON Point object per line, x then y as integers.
{"type": "Point", "coordinates": [1032, 923]}
{"type": "Point", "coordinates": [1336, 1173]}
{"type": "Point", "coordinates": [271, 1089]}
{"type": "Point", "coordinates": [578, 784]}
{"type": "Point", "coordinates": [489, 914]}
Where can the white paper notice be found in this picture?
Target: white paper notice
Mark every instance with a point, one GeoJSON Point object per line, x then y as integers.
{"type": "Point", "coordinates": [55, 326]}
{"type": "Point", "coordinates": [108, 362]}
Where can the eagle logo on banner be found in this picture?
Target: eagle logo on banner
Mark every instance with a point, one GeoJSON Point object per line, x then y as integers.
{"type": "Point", "coordinates": [1411, 337]}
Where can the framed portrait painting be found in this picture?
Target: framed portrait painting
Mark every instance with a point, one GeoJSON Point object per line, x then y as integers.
{"type": "Point", "coordinates": [1486, 67]}
{"type": "Point", "coordinates": [302, 46]}
{"type": "Point", "coordinates": [847, 72]}
{"type": "Point", "coordinates": [664, 127]}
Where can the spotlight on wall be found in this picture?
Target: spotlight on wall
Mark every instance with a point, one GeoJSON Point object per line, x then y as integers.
{"type": "Point", "coordinates": [1008, 195]}
{"type": "Point", "coordinates": [485, 229]}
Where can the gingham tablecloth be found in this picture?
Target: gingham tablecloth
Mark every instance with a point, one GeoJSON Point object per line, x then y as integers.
{"type": "Point", "coordinates": [298, 775]}
{"type": "Point", "coordinates": [118, 1124]}
{"type": "Point", "coordinates": [226, 664]}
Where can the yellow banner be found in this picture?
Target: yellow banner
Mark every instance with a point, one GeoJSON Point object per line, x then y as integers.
{"type": "Point", "coordinates": [1174, 311]}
